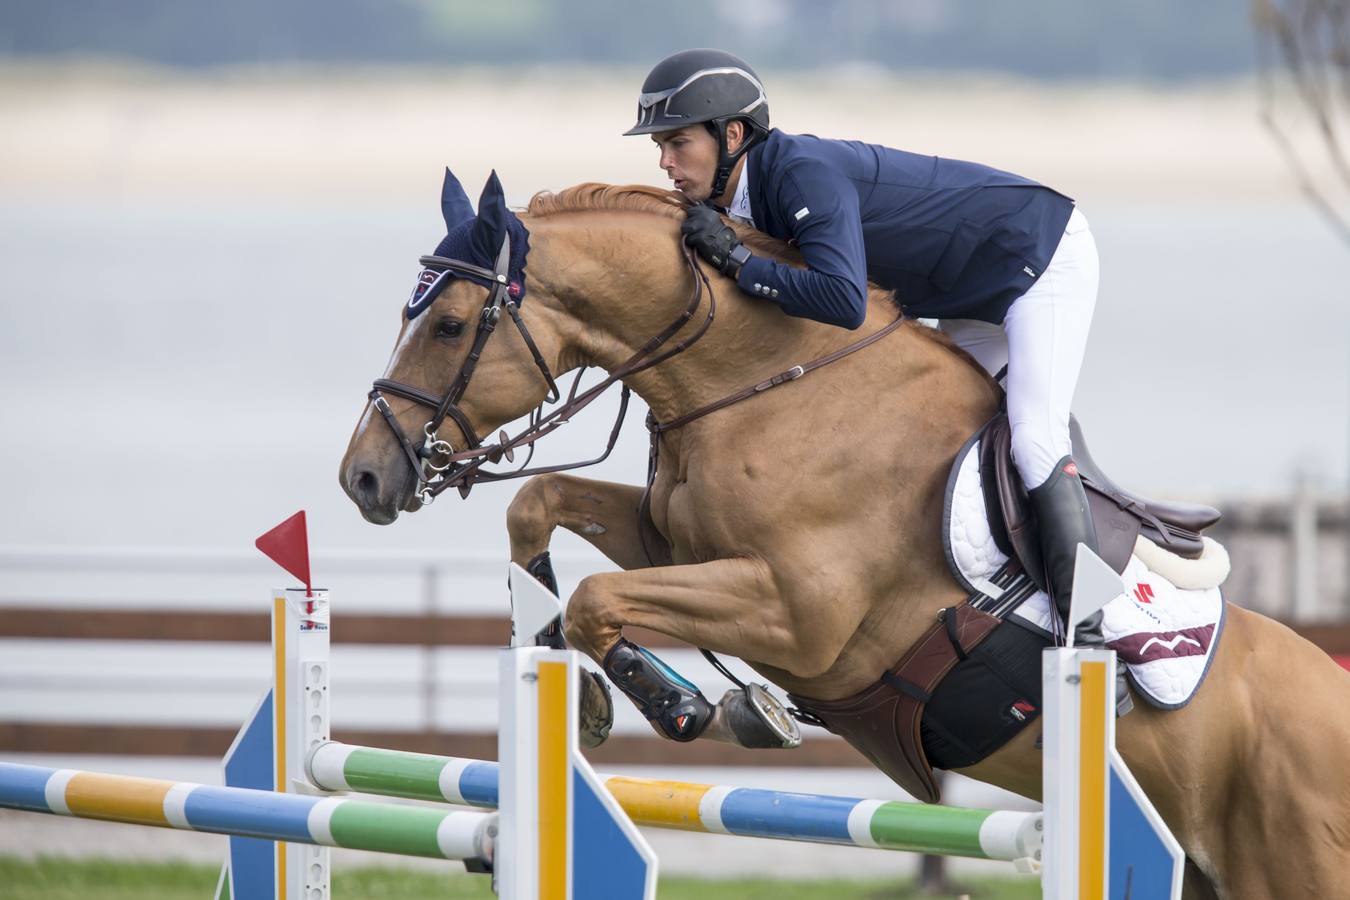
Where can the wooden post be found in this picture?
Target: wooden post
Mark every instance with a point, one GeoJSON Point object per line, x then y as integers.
{"type": "Point", "coordinates": [1303, 548]}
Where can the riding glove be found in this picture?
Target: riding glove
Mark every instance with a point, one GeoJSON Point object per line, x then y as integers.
{"type": "Point", "coordinates": [715, 241]}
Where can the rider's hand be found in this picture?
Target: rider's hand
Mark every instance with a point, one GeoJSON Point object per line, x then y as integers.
{"type": "Point", "coordinates": [713, 239]}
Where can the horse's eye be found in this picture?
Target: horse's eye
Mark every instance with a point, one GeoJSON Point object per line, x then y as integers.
{"type": "Point", "coordinates": [449, 328]}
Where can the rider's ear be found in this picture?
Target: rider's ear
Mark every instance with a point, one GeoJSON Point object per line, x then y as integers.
{"type": "Point", "coordinates": [735, 134]}
{"type": "Point", "coordinates": [492, 212]}
{"type": "Point", "coordinates": [455, 206]}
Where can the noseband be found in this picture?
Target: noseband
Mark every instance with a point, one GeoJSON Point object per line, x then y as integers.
{"type": "Point", "coordinates": [435, 462]}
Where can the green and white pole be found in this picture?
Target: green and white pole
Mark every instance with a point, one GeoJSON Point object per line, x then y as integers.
{"type": "Point", "coordinates": [718, 809]}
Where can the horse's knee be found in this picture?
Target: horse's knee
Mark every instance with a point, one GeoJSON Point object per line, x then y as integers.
{"type": "Point", "coordinates": [588, 623]}
{"type": "Point", "coordinates": [532, 514]}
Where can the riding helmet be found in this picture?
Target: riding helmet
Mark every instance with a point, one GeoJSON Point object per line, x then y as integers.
{"type": "Point", "coordinates": [695, 86]}
{"type": "Point", "coordinates": [704, 86]}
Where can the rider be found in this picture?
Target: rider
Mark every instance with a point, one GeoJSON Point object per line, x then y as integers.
{"type": "Point", "coordinates": [1007, 266]}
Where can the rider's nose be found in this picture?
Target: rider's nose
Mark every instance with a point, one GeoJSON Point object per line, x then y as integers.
{"type": "Point", "coordinates": [366, 487]}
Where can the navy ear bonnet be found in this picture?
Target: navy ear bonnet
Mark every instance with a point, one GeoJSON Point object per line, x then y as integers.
{"type": "Point", "coordinates": [474, 239]}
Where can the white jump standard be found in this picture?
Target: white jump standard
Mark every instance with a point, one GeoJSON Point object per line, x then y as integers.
{"type": "Point", "coordinates": [561, 832]}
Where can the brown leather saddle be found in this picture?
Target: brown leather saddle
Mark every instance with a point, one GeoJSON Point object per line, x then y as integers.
{"type": "Point", "coordinates": [1119, 516]}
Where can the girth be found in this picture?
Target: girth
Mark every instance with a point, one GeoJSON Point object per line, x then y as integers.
{"type": "Point", "coordinates": [883, 721]}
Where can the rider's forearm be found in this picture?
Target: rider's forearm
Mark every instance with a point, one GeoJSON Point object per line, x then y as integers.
{"type": "Point", "coordinates": [806, 293]}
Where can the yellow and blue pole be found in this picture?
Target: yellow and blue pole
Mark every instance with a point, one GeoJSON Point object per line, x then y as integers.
{"type": "Point", "coordinates": [263, 815]}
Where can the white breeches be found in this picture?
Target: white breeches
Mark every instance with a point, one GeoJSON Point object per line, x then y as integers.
{"type": "Point", "coordinates": [1041, 342]}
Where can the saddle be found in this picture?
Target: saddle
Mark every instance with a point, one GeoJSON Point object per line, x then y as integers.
{"type": "Point", "coordinates": [1118, 515]}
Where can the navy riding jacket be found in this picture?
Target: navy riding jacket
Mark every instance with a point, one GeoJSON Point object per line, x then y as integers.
{"type": "Point", "coordinates": [953, 239]}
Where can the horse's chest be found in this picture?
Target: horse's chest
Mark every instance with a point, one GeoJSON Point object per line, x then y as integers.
{"type": "Point", "coordinates": [697, 514]}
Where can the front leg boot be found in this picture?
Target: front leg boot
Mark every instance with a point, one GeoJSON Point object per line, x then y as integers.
{"type": "Point", "coordinates": [541, 569]}
{"type": "Point", "coordinates": [667, 700]}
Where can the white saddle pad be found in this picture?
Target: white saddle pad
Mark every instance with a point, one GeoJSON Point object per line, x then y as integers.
{"type": "Point", "coordinates": [1163, 634]}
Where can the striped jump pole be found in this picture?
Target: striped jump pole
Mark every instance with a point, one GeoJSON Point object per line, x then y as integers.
{"type": "Point", "coordinates": [563, 832]}
{"type": "Point", "coordinates": [323, 821]}
{"type": "Point", "coordinates": [717, 809]}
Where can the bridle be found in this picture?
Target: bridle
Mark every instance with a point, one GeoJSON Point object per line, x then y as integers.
{"type": "Point", "coordinates": [436, 463]}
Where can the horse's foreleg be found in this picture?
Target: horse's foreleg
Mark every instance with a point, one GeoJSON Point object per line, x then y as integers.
{"type": "Point", "coordinates": [606, 514]}
{"type": "Point", "coordinates": [730, 605]}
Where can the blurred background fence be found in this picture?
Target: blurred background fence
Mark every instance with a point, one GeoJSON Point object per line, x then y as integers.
{"type": "Point", "coordinates": [161, 652]}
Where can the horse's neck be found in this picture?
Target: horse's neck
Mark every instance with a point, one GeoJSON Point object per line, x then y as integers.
{"type": "Point", "coordinates": [747, 342]}
{"type": "Point", "coordinates": [634, 285]}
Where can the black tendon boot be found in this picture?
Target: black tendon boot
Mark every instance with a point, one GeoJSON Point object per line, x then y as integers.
{"type": "Point", "coordinates": [661, 694]}
{"type": "Point", "coordinates": [1064, 522]}
{"type": "Point", "coordinates": [541, 569]}
{"type": "Point", "coordinates": [596, 706]}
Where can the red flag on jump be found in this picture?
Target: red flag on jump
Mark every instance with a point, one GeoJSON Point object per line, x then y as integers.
{"type": "Point", "coordinates": [288, 546]}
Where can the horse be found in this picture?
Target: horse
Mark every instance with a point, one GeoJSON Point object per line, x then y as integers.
{"type": "Point", "coordinates": [799, 530]}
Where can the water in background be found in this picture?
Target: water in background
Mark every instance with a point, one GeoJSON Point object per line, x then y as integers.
{"type": "Point", "coordinates": [189, 374]}
{"type": "Point", "coordinates": [180, 374]}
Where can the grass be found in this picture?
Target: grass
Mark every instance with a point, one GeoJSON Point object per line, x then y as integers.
{"type": "Point", "coordinates": [57, 878]}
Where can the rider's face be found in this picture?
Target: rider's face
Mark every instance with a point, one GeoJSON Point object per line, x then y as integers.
{"type": "Point", "coordinates": [689, 157]}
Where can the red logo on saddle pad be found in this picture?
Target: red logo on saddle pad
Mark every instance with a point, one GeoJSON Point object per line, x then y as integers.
{"type": "Point", "coordinates": [1143, 592]}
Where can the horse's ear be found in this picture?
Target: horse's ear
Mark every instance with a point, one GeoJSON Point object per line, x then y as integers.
{"type": "Point", "coordinates": [492, 217]}
{"type": "Point", "coordinates": [454, 202]}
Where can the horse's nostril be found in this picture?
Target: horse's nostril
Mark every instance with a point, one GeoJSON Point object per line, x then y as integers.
{"type": "Point", "coordinates": [366, 486]}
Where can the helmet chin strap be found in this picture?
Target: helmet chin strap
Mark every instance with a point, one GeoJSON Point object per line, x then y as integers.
{"type": "Point", "coordinates": [726, 162]}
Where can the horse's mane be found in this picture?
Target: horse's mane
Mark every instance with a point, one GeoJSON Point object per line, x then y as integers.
{"type": "Point", "coordinates": [596, 196]}
{"type": "Point", "coordinates": [593, 196]}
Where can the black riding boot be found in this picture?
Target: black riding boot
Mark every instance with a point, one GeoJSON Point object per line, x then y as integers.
{"type": "Point", "coordinates": [1064, 522]}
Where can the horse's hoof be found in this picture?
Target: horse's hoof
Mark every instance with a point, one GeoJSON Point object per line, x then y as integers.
{"type": "Point", "coordinates": [596, 715]}
{"type": "Point", "coordinates": [758, 719]}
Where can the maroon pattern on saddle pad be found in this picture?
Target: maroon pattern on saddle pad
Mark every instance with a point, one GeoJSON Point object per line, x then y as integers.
{"type": "Point", "coordinates": [1143, 647]}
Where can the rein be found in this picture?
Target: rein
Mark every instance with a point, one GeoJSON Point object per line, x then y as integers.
{"type": "Point", "coordinates": [792, 374]}
{"type": "Point", "coordinates": [438, 466]}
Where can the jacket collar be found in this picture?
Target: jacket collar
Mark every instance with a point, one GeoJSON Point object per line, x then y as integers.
{"type": "Point", "coordinates": [754, 168]}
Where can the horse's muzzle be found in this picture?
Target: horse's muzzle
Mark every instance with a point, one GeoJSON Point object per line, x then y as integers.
{"type": "Point", "coordinates": [380, 498]}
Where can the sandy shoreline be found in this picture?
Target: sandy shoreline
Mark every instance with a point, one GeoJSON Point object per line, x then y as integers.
{"type": "Point", "coordinates": [383, 134]}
